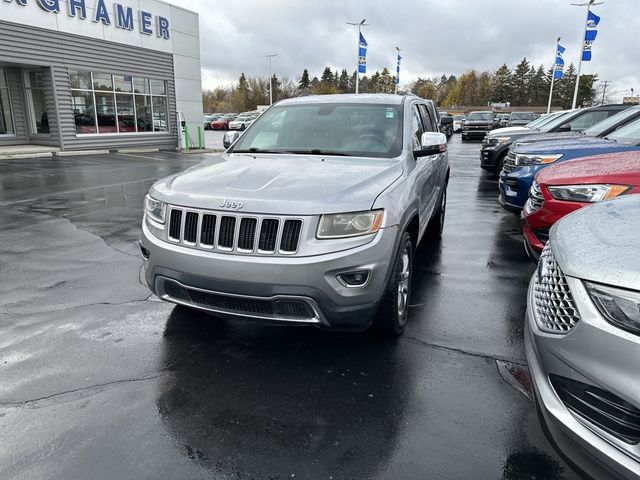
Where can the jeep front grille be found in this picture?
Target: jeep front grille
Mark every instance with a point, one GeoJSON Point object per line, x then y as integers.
{"type": "Point", "coordinates": [555, 308]}
{"type": "Point", "coordinates": [250, 234]}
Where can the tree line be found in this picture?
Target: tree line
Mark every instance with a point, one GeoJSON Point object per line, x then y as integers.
{"type": "Point", "coordinates": [523, 86]}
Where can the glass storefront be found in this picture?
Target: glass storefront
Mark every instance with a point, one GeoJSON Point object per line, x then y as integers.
{"type": "Point", "coordinates": [34, 89]}
{"type": "Point", "coordinates": [106, 103]}
{"type": "Point", "coordinates": [6, 120]}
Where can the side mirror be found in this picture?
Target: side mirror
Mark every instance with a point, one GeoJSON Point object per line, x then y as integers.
{"type": "Point", "coordinates": [564, 128]}
{"type": "Point", "coordinates": [229, 138]}
{"type": "Point", "coordinates": [432, 143]}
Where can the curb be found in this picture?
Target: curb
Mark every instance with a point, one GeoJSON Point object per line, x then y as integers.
{"type": "Point", "coordinates": [137, 150]}
{"type": "Point", "coordinates": [26, 155]}
{"type": "Point", "coordinates": [75, 153]}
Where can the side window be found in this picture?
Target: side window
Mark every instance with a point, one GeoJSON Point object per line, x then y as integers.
{"type": "Point", "coordinates": [587, 120]}
{"type": "Point", "coordinates": [429, 121]}
{"type": "Point", "coordinates": [416, 127]}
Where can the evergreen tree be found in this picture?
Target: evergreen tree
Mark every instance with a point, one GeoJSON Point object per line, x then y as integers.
{"type": "Point", "coordinates": [304, 83]}
{"type": "Point", "coordinates": [502, 90]}
{"type": "Point", "coordinates": [484, 89]}
{"type": "Point", "coordinates": [538, 87]}
{"type": "Point", "coordinates": [343, 81]}
{"type": "Point", "coordinates": [327, 77]}
{"type": "Point", "coordinates": [521, 78]}
{"type": "Point", "coordinates": [565, 86]}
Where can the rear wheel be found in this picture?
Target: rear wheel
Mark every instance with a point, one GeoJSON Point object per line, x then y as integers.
{"type": "Point", "coordinates": [394, 305]}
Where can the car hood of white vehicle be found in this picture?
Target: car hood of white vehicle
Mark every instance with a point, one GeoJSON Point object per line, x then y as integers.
{"type": "Point", "coordinates": [281, 184]}
{"type": "Point", "coordinates": [600, 242]}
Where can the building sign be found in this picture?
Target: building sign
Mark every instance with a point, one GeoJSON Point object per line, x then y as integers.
{"type": "Point", "coordinates": [120, 16]}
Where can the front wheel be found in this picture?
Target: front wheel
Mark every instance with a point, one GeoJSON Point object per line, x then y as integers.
{"type": "Point", "coordinates": [394, 306]}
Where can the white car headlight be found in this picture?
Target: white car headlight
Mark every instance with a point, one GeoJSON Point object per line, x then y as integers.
{"type": "Point", "coordinates": [526, 160]}
{"type": "Point", "coordinates": [586, 193]}
{"type": "Point", "coordinates": [619, 307]}
{"type": "Point", "coordinates": [155, 209]}
{"type": "Point", "coordinates": [341, 225]}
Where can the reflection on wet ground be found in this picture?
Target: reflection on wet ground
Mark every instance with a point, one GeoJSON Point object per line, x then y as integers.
{"type": "Point", "coordinates": [101, 380]}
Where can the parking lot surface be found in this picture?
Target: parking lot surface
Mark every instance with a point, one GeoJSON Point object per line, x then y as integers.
{"type": "Point", "coordinates": [101, 380]}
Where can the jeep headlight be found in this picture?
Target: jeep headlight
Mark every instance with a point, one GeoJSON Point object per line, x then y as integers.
{"type": "Point", "coordinates": [586, 193]}
{"type": "Point", "coordinates": [527, 160]}
{"type": "Point", "coordinates": [155, 209]}
{"type": "Point", "coordinates": [502, 140]}
{"type": "Point", "coordinates": [341, 225]}
{"type": "Point", "coordinates": [619, 307]}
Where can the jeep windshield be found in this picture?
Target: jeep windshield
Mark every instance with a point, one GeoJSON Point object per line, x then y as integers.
{"type": "Point", "coordinates": [480, 117]}
{"type": "Point", "coordinates": [342, 129]}
{"type": "Point", "coordinates": [522, 116]}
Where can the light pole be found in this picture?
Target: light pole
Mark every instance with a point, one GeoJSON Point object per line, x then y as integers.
{"type": "Point", "coordinates": [270, 56]}
{"type": "Point", "coordinates": [586, 21]}
{"type": "Point", "coordinates": [359, 25]}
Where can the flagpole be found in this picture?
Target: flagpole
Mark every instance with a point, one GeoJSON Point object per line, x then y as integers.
{"type": "Point", "coordinates": [360, 25]}
{"type": "Point", "coordinates": [553, 76]}
{"type": "Point", "coordinates": [584, 33]}
{"type": "Point", "coordinates": [397, 69]}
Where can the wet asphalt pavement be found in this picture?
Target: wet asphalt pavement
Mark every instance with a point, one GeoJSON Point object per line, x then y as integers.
{"type": "Point", "coordinates": [100, 380]}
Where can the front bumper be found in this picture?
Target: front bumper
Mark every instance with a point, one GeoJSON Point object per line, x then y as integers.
{"type": "Point", "coordinates": [514, 187]}
{"type": "Point", "coordinates": [593, 353]}
{"type": "Point", "coordinates": [474, 134]}
{"type": "Point", "coordinates": [311, 279]}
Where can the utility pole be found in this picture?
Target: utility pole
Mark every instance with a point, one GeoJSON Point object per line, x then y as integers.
{"type": "Point", "coordinates": [604, 90]}
{"type": "Point", "coordinates": [584, 31]}
{"type": "Point", "coordinates": [359, 25]}
{"type": "Point", "coordinates": [270, 56]}
{"type": "Point", "coordinates": [553, 76]}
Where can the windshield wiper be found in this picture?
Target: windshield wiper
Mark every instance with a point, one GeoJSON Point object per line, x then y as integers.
{"type": "Point", "coordinates": [258, 150]}
{"type": "Point", "coordinates": [317, 151]}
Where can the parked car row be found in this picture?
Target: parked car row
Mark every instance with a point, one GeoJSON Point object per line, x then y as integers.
{"type": "Point", "coordinates": [229, 121]}
{"type": "Point", "coordinates": [573, 178]}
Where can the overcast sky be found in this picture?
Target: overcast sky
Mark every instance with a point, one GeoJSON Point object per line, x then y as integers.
{"type": "Point", "coordinates": [436, 36]}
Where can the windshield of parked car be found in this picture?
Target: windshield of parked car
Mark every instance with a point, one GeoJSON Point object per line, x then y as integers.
{"type": "Point", "coordinates": [458, 118]}
{"type": "Point", "coordinates": [480, 117]}
{"type": "Point", "coordinates": [600, 128]}
{"type": "Point", "coordinates": [521, 116]}
{"type": "Point", "coordinates": [357, 129]}
{"type": "Point", "coordinates": [628, 135]}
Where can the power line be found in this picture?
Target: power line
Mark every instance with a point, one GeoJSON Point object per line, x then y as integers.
{"type": "Point", "coordinates": [604, 90]}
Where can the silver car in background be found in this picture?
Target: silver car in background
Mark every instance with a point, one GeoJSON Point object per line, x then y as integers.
{"type": "Point", "coordinates": [311, 217]}
{"type": "Point", "coordinates": [583, 337]}
{"type": "Point", "coordinates": [241, 122]}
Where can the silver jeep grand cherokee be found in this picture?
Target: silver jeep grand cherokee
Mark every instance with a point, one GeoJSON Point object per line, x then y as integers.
{"type": "Point", "coordinates": [311, 217]}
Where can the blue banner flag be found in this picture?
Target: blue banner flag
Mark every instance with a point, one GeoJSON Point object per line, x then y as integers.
{"type": "Point", "coordinates": [558, 71]}
{"type": "Point", "coordinates": [590, 35]}
{"type": "Point", "coordinates": [362, 55]}
{"type": "Point", "coordinates": [398, 70]}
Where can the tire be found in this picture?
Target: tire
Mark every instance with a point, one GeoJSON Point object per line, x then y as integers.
{"type": "Point", "coordinates": [242, 127]}
{"type": "Point", "coordinates": [500, 165]}
{"type": "Point", "coordinates": [436, 225]}
{"type": "Point", "coordinates": [393, 310]}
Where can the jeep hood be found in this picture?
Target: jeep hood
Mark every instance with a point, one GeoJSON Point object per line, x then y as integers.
{"type": "Point", "coordinates": [282, 184]}
{"type": "Point", "coordinates": [501, 132]}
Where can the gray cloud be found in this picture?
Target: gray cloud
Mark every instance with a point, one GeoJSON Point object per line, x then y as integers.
{"type": "Point", "coordinates": [436, 37]}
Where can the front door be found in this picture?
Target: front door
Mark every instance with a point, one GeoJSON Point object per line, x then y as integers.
{"type": "Point", "coordinates": [38, 117]}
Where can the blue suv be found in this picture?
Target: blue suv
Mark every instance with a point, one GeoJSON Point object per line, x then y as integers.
{"type": "Point", "coordinates": [524, 161]}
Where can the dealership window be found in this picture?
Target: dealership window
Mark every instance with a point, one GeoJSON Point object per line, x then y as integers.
{"type": "Point", "coordinates": [38, 115]}
{"type": "Point", "coordinates": [106, 103]}
{"type": "Point", "coordinates": [6, 121]}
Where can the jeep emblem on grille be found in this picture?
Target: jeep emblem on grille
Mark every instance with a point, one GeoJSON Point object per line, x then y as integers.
{"type": "Point", "coordinates": [224, 203]}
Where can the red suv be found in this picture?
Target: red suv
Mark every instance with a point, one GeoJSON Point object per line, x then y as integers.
{"type": "Point", "coordinates": [560, 189]}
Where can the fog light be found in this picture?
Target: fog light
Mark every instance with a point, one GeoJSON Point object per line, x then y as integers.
{"type": "Point", "coordinates": [145, 252]}
{"type": "Point", "coordinates": [354, 279]}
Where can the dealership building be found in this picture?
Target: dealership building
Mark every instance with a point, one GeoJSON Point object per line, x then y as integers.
{"type": "Point", "coordinates": [97, 74]}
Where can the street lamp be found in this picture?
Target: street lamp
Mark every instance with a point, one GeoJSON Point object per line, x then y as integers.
{"type": "Point", "coordinates": [270, 56]}
{"type": "Point", "coordinates": [359, 25]}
